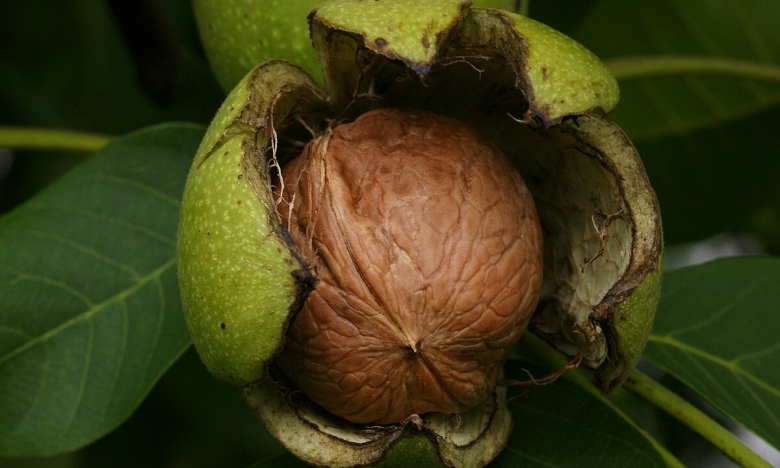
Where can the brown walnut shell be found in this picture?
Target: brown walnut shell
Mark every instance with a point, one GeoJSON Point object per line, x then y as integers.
{"type": "Point", "coordinates": [428, 253]}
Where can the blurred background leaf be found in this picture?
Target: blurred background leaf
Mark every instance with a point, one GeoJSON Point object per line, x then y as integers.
{"type": "Point", "coordinates": [91, 309]}
{"type": "Point", "coordinates": [65, 65]}
{"type": "Point", "coordinates": [709, 141]}
{"type": "Point", "coordinates": [657, 107]}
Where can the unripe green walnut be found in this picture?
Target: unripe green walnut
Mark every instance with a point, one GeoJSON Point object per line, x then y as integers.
{"type": "Point", "coordinates": [428, 255]}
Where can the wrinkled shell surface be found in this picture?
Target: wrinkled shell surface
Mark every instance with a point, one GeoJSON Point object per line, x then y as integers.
{"type": "Point", "coordinates": [428, 251]}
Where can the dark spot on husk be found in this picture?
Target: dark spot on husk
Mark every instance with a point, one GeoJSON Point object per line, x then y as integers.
{"type": "Point", "coordinates": [305, 282]}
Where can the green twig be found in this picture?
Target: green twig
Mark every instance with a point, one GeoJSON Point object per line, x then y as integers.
{"type": "Point", "coordinates": [699, 422]}
{"type": "Point", "coordinates": [46, 139]}
{"type": "Point", "coordinates": [628, 68]}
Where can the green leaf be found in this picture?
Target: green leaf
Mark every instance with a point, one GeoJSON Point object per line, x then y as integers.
{"type": "Point", "coordinates": [716, 331]}
{"type": "Point", "coordinates": [89, 306]}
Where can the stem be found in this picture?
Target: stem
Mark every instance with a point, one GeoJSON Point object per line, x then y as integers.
{"type": "Point", "coordinates": [46, 139]}
{"type": "Point", "coordinates": [629, 68]}
{"type": "Point", "coordinates": [699, 422]}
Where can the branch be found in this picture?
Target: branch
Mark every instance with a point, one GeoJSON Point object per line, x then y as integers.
{"type": "Point", "coordinates": [696, 420]}
{"type": "Point", "coordinates": [46, 139]}
{"type": "Point", "coordinates": [628, 68]}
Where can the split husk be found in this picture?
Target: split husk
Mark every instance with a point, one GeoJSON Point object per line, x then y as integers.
{"type": "Point", "coordinates": [535, 93]}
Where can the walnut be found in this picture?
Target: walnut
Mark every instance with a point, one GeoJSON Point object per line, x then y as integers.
{"type": "Point", "coordinates": [428, 253]}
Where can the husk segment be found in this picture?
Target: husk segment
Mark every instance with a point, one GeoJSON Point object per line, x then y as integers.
{"type": "Point", "coordinates": [471, 439]}
{"type": "Point", "coordinates": [555, 76]}
{"type": "Point", "coordinates": [238, 272]}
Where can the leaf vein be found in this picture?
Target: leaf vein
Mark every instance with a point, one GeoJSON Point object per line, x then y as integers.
{"type": "Point", "coordinates": [760, 402]}
{"type": "Point", "coordinates": [720, 312]}
{"type": "Point", "coordinates": [15, 331]}
{"type": "Point", "coordinates": [533, 459]}
{"type": "Point", "coordinates": [713, 382]}
{"type": "Point", "coordinates": [54, 283]}
{"type": "Point", "coordinates": [107, 219]}
{"type": "Point", "coordinates": [603, 436]}
{"type": "Point", "coordinates": [756, 354]}
{"type": "Point", "coordinates": [746, 26]}
{"type": "Point", "coordinates": [132, 183]}
{"type": "Point", "coordinates": [81, 248]}
{"type": "Point", "coordinates": [669, 341]}
{"type": "Point", "coordinates": [119, 363]}
{"type": "Point", "coordinates": [84, 376]}
{"type": "Point", "coordinates": [87, 314]}
{"type": "Point", "coordinates": [38, 393]}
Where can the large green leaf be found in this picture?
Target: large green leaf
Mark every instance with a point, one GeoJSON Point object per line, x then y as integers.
{"type": "Point", "coordinates": [717, 331]}
{"type": "Point", "coordinates": [89, 306]}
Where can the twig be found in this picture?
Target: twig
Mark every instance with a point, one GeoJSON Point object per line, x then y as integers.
{"type": "Point", "coordinates": [35, 138]}
{"type": "Point", "coordinates": [695, 419]}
